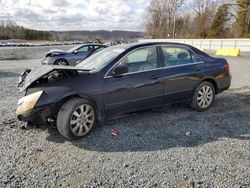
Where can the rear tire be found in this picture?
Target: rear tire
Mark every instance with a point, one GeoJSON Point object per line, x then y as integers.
{"type": "Point", "coordinates": [76, 118]}
{"type": "Point", "coordinates": [203, 97]}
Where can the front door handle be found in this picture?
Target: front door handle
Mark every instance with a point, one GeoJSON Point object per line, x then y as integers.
{"type": "Point", "coordinates": [198, 69]}
{"type": "Point", "coordinates": [154, 77]}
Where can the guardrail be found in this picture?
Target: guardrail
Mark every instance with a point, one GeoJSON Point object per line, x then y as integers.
{"type": "Point", "coordinates": [210, 44]}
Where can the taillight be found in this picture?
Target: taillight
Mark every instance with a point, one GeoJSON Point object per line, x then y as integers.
{"type": "Point", "coordinates": [228, 68]}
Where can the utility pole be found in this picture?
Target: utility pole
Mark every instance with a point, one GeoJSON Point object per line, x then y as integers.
{"type": "Point", "coordinates": [174, 26]}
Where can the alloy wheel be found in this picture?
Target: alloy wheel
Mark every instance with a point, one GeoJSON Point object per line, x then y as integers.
{"type": "Point", "coordinates": [64, 63]}
{"type": "Point", "coordinates": [205, 96]}
{"type": "Point", "coordinates": [82, 120]}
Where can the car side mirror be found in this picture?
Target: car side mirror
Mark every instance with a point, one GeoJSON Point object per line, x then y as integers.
{"type": "Point", "coordinates": [75, 52]}
{"type": "Point", "coordinates": [119, 70]}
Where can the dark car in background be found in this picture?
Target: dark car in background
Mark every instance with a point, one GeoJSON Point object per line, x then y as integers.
{"type": "Point", "coordinates": [119, 80]}
{"type": "Point", "coordinates": [72, 56]}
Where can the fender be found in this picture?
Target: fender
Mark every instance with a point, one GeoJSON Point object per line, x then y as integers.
{"type": "Point", "coordinates": [210, 79]}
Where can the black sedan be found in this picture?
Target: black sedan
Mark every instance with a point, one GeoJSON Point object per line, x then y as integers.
{"type": "Point", "coordinates": [72, 56]}
{"type": "Point", "coordinates": [120, 80]}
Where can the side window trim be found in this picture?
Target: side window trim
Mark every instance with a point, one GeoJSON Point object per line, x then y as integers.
{"type": "Point", "coordinates": [108, 73]}
{"type": "Point", "coordinates": [183, 47]}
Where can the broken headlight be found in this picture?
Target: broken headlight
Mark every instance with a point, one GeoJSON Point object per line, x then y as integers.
{"type": "Point", "coordinates": [28, 102]}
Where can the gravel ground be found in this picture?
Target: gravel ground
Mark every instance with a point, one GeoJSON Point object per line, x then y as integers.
{"type": "Point", "coordinates": [171, 147]}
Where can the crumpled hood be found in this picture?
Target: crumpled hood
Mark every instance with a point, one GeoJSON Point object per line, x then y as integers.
{"type": "Point", "coordinates": [29, 76]}
{"type": "Point", "coordinates": [55, 52]}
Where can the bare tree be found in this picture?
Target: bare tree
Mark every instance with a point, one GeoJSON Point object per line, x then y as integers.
{"type": "Point", "coordinates": [184, 28]}
{"type": "Point", "coordinates": [161, 18]}
{"type": "Point", "coordinates": [204, 12]}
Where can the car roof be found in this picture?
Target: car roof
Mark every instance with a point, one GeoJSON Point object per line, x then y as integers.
{"type": "Point", "coordinates": [91, 44]}
{"type": "Point", "coordinates": [132, 46]}
{"type": "Point", "coordinates": [139, 44]}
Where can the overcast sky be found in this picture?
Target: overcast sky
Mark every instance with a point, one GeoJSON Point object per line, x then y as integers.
{"type": "Point", "coordinates": [75, 14]}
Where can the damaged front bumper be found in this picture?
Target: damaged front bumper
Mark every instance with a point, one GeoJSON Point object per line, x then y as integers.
{"type": "Point", "coordinates": [37, 117]}
{"type": "Point", "coordinates": [41, 103]}
{"type": "Point", "coordinates": [48, 61]}
{"type": "Point", "coordinates": [28, 112]}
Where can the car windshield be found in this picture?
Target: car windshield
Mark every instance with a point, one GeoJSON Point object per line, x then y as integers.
{"type": "Point", "coordinates": [73, 49]}
{"type": "Point", "coordinates": [101, 59]}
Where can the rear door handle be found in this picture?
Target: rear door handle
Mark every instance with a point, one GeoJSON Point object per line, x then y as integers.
{"type": "Point", "coordinates": [154, 77]}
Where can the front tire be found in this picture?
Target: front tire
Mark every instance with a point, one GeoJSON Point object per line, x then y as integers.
{"type": "Point", "coordinates": [76, 118]}
{"type": "Point", "coordinates": [203, 97]}
{"type": "Point", "coordinates": [62, 62]}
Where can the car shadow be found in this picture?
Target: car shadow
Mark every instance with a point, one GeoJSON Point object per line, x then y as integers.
{"type": "Point", "coordinates": [176, 126]}
{"type": "Point", "coordinates": [8, 74]}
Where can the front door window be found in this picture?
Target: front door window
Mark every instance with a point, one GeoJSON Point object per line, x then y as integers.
{"type": "Point", "coordinates": [141, 60]}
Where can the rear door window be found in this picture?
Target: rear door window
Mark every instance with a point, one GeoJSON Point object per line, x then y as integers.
{"type": "Point", "coordinates": [177, 56]}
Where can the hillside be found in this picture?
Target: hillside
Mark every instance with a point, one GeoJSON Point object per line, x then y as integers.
{"type": "Point", "coordinates": [90, 35]}
{"type": "Point", "coordinates": [10, 30]}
